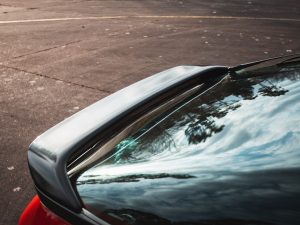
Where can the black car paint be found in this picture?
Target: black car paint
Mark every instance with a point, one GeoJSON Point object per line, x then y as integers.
{"type": "Point", "coordinates": [51, 152]}
{"type": "Point", "coordinates": [239, 163]}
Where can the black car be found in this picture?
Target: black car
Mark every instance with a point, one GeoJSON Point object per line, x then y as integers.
{"type": "Point", "coordinates": [192, 145]}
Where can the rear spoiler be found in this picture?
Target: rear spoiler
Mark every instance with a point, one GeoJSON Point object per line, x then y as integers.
{"type": "Point", "coordinates": [50, 153]}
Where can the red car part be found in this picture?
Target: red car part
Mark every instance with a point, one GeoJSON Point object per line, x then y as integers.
{"type": "Point", "coordinates": [36, 214]}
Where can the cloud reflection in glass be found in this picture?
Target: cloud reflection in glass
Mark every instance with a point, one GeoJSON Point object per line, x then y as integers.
{"type": "Point", "coordinates": [229, 154]}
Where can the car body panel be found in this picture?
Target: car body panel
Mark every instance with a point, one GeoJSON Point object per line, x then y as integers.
{"type": "Point", "coordinates": [36, 213]}
{"type": "Point", "coordinates": [231, 154]}
{"type": "Point", "coordinates": [50, 153]}
{"type": "Point", "coordinates": [60, 149]}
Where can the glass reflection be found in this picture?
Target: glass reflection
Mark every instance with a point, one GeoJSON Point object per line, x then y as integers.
{"type": "Point", "coordinates": [229, 156]}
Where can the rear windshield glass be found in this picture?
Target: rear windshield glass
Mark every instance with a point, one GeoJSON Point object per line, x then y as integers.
{"type": "Point", "coordinates": [230, 155]}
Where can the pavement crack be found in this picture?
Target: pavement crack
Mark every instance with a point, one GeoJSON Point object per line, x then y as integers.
{"type": "Point", "coordinates": [46, 49]}
{"type": "Point", "coordinates": [57, 79]}
{"type": "Point", "coordinates": [7, 5]}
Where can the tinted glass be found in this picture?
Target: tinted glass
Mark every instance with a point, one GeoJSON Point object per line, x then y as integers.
{"type": "Point", "coordinates": [229, 156]}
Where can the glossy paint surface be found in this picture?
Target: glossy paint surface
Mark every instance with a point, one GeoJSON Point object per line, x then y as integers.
{"type": "Point", "coordinates": [229, 156]}
{"type": "Point", "coordinates": [37, 214]}
{"type": "Point", "coordinates": [49, 153]}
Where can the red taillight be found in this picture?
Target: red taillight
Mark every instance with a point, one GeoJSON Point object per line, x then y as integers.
{"type": "Point", "coordinates": [36, 214]}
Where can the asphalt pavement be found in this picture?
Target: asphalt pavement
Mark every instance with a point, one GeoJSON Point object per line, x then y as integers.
{"type": "Point", "coordinates": [57, 57]}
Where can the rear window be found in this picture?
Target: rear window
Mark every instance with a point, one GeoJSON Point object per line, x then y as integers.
{"type": "Point", "coordinates": [229, 155]}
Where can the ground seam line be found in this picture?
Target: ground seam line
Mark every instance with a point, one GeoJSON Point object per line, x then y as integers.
{"type": "Point", "coordinates": [56, 79]}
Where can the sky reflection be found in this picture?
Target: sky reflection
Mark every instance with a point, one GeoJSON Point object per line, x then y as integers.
{"type": "Point", "coordinates": [237, 149]}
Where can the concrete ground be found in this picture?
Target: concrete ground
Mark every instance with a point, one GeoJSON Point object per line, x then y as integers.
{"type": "Point", "coordinates": [57, 57]}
